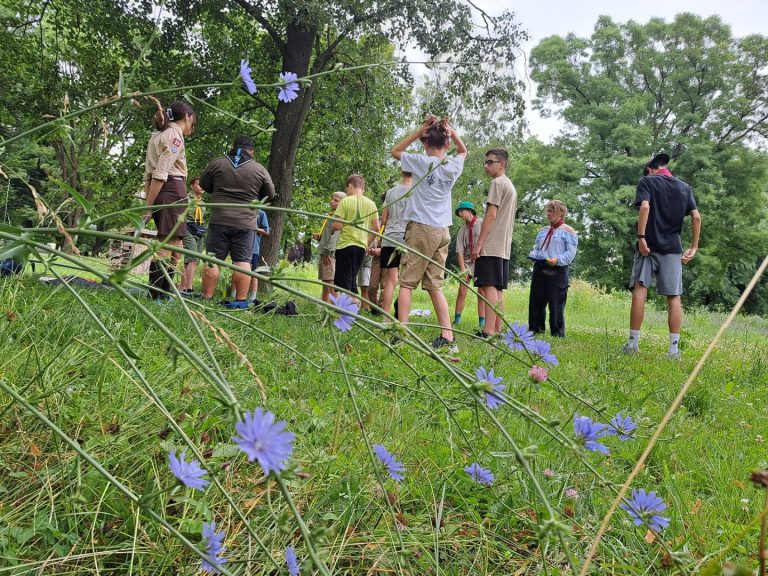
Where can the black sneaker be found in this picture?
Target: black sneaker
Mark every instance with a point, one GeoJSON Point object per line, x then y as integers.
{"type": "Point", "coordinates": [440, 342]}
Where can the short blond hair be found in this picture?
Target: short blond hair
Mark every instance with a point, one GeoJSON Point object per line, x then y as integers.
{"type": "Point", "coordinates": [559, 207]}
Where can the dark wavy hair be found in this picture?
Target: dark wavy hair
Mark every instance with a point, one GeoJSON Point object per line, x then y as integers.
{"type": "Point", "coordinates": [438, 135]}
{"type": "Point", "coordinates": [176, 111]}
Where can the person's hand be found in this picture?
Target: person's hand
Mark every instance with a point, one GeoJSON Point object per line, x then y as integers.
{"type": "Point", "coordinates": [476, 252]}
{"type": "Point", "coordinates": [642, 245]}
{"type": "Point", "coordinates": [376, 251]}
{"type": "Point", "coordinates": [326, 260]}
{"type": "Point", "coordinates": [315, 236]}
{"type": "Point", "coordinates": [688, 255]}
{"type": "Point", "coordinates": [552, 261]}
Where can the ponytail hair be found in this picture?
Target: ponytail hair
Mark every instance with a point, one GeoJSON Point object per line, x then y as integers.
{"type": "Point", "coordinates": [438, 135]}
{"type": "Point", "coordinates": [164, 116]}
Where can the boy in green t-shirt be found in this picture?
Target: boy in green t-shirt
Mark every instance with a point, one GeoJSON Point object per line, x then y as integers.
{"type": "Point", "coordinates": [354, 239]}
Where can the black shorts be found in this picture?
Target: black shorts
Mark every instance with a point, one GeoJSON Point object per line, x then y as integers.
{"type": "Point", "coordinates": [348, 262]}
{"type": "Point", "coordinates": [237, 243]}
{"type": "Point", "coordinates": [491, 271]}
{"type": "Point", "coordinates": [174, 191]}
{"type": "Point", "coordinates": [390, 257]}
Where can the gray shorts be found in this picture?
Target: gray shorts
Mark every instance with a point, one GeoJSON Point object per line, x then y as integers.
{"type": "Point", "coordinates": [192, 242]}
{"type": "Point", "coordinates": [667, 268]}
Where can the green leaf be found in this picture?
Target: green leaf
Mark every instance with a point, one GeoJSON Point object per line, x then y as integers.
{"type": "Point", "coordinates": [127, 350]}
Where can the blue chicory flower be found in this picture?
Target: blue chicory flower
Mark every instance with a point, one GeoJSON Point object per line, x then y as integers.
{"type": "Point", "coordinates": [245, 75]}
{"type": "Point", "coordinates": [292, 561]}
{"type": "Point", "coordinates": [263, 439]}
{"type": "Point", "coordinates": [394, 468]}
{"type": "Point", "coordinates": [188, 473]}
{"type": "Point", "coordinates": [518, 337]}
{"type": "Point", "coordinates": [290, 91]}
{"type": "Point", "coordinates": [645, 509]}
{"type": "Point", "coordinates": [589, 433]}
{"type": "Point", "coordinates": [479, 475]}
{"type": "Point", "coordinates": [622, 427]}
{"type": "Point", "coordinates": [492, 400]}
{"type": "Point", "coordinates": [347, 303]}
{"type": "Point", "coordinates": [541, 348]}
{"type": "Point", "coordinates": [214, 548]}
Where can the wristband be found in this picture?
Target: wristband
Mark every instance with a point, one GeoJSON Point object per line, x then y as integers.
{"type": "Point", "coordinates": [641, 235]}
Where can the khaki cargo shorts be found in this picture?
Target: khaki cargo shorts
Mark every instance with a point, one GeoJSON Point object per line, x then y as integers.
{"type": "Point", "coordinates": [433, 243]}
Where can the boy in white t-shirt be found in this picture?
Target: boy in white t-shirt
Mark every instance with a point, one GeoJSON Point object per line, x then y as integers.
{"type": "Point", "coordinates": [429, 217]}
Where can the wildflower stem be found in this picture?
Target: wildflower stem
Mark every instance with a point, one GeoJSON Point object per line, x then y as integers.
{"type": "Point", "coordinates": [376, 470]}
{"type": "Point", "coordinates": [668, 416]}
{"type": "Point", "coordinates": [134, 498]}
{"type": "Point", "coordinates": [319, 564]}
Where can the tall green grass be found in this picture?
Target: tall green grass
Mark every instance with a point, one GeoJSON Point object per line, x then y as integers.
{"type": "Point", "coordinates": [127, 394]}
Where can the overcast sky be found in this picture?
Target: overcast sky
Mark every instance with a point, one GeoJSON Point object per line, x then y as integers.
{"type": "Point", "coordinates": [544, 18]}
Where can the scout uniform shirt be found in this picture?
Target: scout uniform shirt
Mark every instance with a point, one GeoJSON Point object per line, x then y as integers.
{"type": "Point", "coordinates": [165, 155]}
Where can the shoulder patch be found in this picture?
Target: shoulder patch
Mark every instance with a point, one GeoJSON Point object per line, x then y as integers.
{"type": "Point", "coordinates": [174, 149]}
{"type": "Point", "coordinates": [176, 142]}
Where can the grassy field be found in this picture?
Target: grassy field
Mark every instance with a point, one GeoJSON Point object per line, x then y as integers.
{"type": "Point", "coordinates": [108, 378]}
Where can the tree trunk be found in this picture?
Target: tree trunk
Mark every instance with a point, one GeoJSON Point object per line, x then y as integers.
{"type": "Point", "coordinates": [289, 125]}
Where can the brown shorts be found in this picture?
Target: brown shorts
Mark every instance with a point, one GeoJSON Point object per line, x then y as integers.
{"type": "Point", "coordinates": [326, 272]}
{"type": "Point", "coordinates": [174, 191]}
{"type": "Point", "coordinates": [433, 243]}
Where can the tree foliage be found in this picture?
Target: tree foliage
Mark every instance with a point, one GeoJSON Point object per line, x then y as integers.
{"type": "Point", "coordinates": [687, 87]}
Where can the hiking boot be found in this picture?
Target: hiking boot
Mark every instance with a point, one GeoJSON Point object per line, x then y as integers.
{"type": "Point", "coordinates": [440, 342]}
{"type": "Point", "coordinates": [627, 349]}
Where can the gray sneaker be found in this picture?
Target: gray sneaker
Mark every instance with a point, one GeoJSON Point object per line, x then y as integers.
{"type": "Point", "coordinates": [627, 349]}
{"type": "Point", "coordinates": [674, 355]}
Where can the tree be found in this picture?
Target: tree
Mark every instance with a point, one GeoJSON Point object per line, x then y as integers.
{"type": "Point", "coordinates": [306, 37]}
{"type": "Point", "coordinates": [687, 87]}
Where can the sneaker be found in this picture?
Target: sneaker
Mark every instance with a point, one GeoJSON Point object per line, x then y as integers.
{"type": "Point", "coordinates": [439, 342]}
{"type": "Point", "coordinates": [627, 349]}
{"type": "Point", "coordinates": [482, 334]}
{"type": "Point", "coordinates": [674, 355]}
{"type": "Point", "coordinates": [236, 304]}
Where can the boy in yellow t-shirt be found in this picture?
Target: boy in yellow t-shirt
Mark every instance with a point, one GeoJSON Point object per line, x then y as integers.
{"type": "Point", "coordinates": [354, 239]}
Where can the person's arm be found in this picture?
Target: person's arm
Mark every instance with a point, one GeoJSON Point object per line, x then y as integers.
{"type": "Point", "coordinates": [461, 149]}
{"type": "Point", "coordinates": [571, 245]}
{"type": "Point", "coordinates": [374, 226]}
{"type": "Point", "coordinates": [154, 189]}
{"type": "Point", "coordinates": [267, 190]}
{"type": "Point", "coordinates": [695, 233]}
{"type": "Point", "coordinates": [642, 225]}
{"type": "Point", "coordinates": [460, 258]}
{"type": "Point", "coordinates": [384, 216]}
{"type": "Point", "coordinates": [488, 220]}
{"type": "Point", "coordinates": [422, 130]}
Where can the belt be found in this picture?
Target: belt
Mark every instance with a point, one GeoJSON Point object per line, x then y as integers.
{"type": "Point", "coordinates": [182, 178]}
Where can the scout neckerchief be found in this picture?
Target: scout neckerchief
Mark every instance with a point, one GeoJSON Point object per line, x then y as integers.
{"type": "Point", "coordinates": [550, 233]}
{"type": "Point", "coordinates": [664, 172]}
{"type": "Point", "coordinates": [198, 217]}
{"type": "Point", "coordinates": [471, 226]}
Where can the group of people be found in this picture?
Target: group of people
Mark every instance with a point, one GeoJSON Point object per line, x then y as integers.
{"type": "Point", "coordinates": [233, 231]}
{"type": "Point", "coordinates": [409, 243]}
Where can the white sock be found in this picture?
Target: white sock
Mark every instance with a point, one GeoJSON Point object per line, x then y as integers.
{"type": "Point", "coordinates": [674, 340]}
{"type": "Point", "coordinates": [634, 339]}
{"type": "Point", "coordinates": [232, 294]}
{"type": "Point", "coordinates": [252, 296]}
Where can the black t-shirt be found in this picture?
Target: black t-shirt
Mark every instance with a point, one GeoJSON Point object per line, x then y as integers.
{"type": "Point", "coordinates": [671, 200]}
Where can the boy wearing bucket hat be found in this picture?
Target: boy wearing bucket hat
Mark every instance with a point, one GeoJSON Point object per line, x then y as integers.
{"type": "Point", "coordinates": [465, 242]}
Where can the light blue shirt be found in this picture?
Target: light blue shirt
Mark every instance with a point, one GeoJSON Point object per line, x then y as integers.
{"type": "Point", "coordinates": [562, 246]}
{"type": "Point", "coordinates": [261, 222]}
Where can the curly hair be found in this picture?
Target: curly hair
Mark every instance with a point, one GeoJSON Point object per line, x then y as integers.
{"type": "Point", "coordinates": [439, 133]}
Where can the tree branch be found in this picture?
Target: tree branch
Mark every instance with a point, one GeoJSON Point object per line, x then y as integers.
{"type": "Point", "coordinates": [258, 15]}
